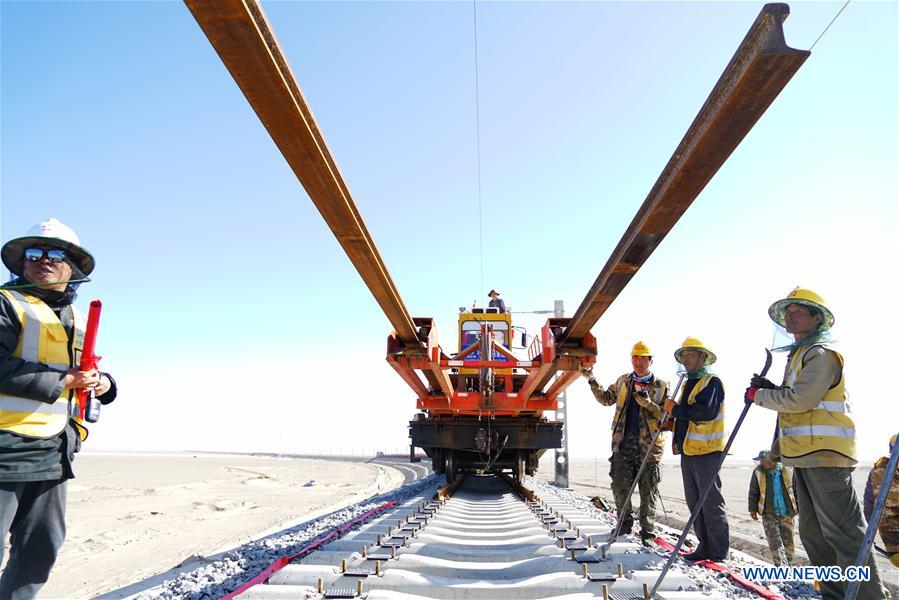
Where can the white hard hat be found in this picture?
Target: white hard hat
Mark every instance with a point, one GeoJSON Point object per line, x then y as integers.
{"type": "Point", "coordinates": [47, 233]}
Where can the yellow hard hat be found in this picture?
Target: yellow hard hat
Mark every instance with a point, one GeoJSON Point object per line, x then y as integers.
{"type": "Point", "coordinates": [692, 343]}
{"type": "Point", "coordinates": [641, 349]}
{"type": "Point", "coordinates": [801, 295]}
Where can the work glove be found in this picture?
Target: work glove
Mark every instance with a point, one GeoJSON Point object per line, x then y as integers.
{"type": "Point", "coordinates": [764, 383]}
{"type": "Point", "coordinates": [667, 425]}
{"type": "Point", "coordinates": [587, 373]}
{"type": "Point", "coordinates": [749, 396]}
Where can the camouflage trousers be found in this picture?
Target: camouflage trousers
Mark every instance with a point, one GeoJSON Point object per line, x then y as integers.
{"type": "Point", "coordinates": [624, 466]}
{"type": "Point", "coordinates": [779, 531]}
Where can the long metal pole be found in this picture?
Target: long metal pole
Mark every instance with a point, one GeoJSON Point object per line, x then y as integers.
{"type": "Point", "coordinates": [243, 38]}
{"type": "Point", "coordinates": [760, 68]}
{"type": "Point", "coordinates": [561, 454]}
{"type": "Point", "coordinates": [698, 506]}
{"type": "Point", "coordinates": [865, 550]}
{"type": "Point", "coordinates": [627, 501]}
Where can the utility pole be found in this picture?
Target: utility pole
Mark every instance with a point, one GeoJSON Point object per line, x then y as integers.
{"type": "Point", "coordinates": [561, 454]}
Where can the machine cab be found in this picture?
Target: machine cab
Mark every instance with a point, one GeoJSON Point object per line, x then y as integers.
{"type": "Point", "coordinates": [470, 322]}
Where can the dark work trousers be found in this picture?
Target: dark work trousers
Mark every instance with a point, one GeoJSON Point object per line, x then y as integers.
{"type": "Point", "coordinates": [832, 528]}
{"type": "Point", "coordinates": [623, 468]}
{"type": "Point", "coordinates": [710, 525]}
{"type": "Point", "coordinates": [34, 514]}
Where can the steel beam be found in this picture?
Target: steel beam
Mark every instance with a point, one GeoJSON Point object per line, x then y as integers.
{"type": "Point", "coordinates": [761, 67]}
{"type": "Point", "coordinates": [241, 35]}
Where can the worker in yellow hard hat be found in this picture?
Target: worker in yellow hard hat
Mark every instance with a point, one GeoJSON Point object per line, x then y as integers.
{"type": "Point", "coordinates": [638, 397]}
{"type": "Point", "coordinates": [699, 438]}
{"type": "Point", "coordinates": [816, 436]}
{"type": "Point", "coordinates": [889, 519]}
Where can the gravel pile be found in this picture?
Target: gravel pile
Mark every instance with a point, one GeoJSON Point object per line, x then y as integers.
{"type": "Point", "coordinates": [220, 577]}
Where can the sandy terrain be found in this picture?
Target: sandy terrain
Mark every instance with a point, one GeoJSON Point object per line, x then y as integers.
{"type": "Point", "coordinates": [131, 516]}
{"type": "Point", "coordinates": [589, 475]}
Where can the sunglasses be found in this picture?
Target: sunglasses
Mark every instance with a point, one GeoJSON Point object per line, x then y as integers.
{"type": "Point", "coordinates": [54, 255]}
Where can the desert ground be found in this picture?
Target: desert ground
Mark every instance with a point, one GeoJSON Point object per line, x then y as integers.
{"type": "Point", "coordinates": [131, 516]}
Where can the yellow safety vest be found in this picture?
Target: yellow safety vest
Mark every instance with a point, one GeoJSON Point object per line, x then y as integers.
{"type": "Point", "coordinates": [652, 422]}
{"type": "Point", "coordinates": [762, 478]}
{"type": "Point", "coordinates": [828, 426]}
{"type": "Point", "coordinates": [704, 437]}
{"type": "Point", "coordinates": [43, 339]}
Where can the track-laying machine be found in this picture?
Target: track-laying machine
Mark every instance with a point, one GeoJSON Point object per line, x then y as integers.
{"type": "Point", "coordinates": [483, 408]}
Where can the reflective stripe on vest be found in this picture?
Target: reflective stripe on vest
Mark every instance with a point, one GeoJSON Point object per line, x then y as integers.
{"type": "Point", "coordinates": [704, 437]}
{"type": "Point", "coordinates": [43, 339]}
{"type": "Point", "coordinates": [828, 426]}
{"type": "Point", "coordinates": [763, 485]}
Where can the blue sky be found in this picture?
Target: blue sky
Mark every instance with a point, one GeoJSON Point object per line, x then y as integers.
{"type": "Point", "coordinates": [232, 318]}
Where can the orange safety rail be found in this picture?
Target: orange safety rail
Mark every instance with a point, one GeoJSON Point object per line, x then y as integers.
{"type": "Point", "coordinates": [535, 349]}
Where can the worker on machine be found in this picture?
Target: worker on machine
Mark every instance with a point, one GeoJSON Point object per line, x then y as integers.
{"type": "Point", "coordinates": [889, 520]}
{"type": "Point", "coordinates": [699, 438]}
{"type": "Point", "coordinates": [771, 496]}
{"type": "Point", "coordinates": [496, 301]}
{"type": "Point", "coordinates": [638, 397]}
{"type": "Point", "coordinates": [816, 436]}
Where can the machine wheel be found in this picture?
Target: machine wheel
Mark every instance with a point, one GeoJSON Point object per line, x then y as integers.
{"type": "Point", "coordinates": [520, 468]}
{"type": "Point", "coordinates": [449, 466]}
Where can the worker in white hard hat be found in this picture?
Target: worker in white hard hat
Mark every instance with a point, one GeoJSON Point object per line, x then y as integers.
{"type": "Point", "coordinates": [699, 438]}
{"type": "Point", "coordinates": [41, 335]}
{"type": "Point", "coordinates": [816, 436]}
{"type": "Point", "coordinates": [638, 397]}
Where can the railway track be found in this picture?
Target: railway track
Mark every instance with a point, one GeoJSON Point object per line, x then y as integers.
{"type": "Point", "coordinates": [486, 538]}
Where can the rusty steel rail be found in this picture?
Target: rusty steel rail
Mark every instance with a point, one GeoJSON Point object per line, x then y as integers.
{"type": "Point", "coordinates": [241, 35]}
{"type": "Point", "coordinates": [447, 491]}
{"type": "Point", "coordinates": [519, 488]}
{"type": "Point", "coordinates": [759, 70]}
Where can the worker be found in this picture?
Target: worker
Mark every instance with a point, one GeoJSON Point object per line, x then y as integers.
{"type": "Point", "coordinates": [496, 301]}
{"type": "Point", "coordinates": [770, 491]}
{"type": "Point", "coordinates": [638, 397]}
{"type": "Point", "coordinates": [889, 520]}
{"type": "Point", "coordinates": [699, 439]}
{"type": "Point", "coordinates": [41, 335]}
{"type": "Point", "coordinates": [816, 436]}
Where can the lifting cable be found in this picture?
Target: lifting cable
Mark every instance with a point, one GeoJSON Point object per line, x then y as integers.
{"type": "Point", "coordinates": [477, 108]}
{"type": "Point", "coordinates": [839, 12]}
